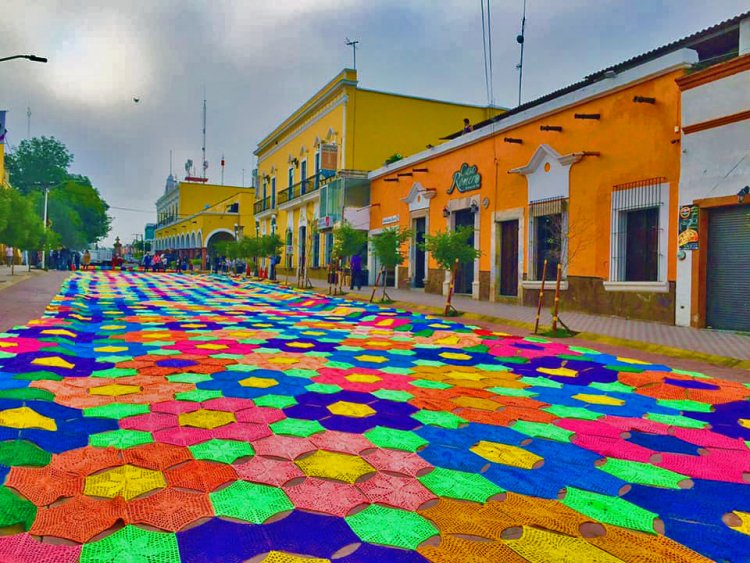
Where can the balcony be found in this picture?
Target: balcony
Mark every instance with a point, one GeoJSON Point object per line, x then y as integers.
{"type": "Point", "coordinates": [262, 205]}
{"type": "Point", "coordinates": [305, 186]}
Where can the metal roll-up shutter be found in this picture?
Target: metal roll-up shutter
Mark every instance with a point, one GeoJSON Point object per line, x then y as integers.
{"type": "Point", "coordinates": [728, 271]}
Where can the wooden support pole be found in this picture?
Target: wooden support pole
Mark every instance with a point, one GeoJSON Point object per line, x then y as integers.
{"type": "Point", "coordinates": [375, 287]}
{"type": "Point", "coordinates": [541, 297]}
{"type": "Point", "coordinates": [557, 299]}
{"type": "Point", "coordinates": [448, 306]}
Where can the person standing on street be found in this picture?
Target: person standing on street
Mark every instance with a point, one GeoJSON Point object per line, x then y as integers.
{"type": "Point", "coordinates": [86, 259]}
{"type": "Point", "coordinates": [356, 267]}
{"type": "Point", "coordinates": [8, 256]}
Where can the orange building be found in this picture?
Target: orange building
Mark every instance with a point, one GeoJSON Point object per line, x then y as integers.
{"type": "Point", "coordinates": [586, 177]}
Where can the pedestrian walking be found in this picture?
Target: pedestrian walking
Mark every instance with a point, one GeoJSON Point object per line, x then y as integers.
{"type": "Point", "coordinates": [77, 259]}
{"type": "Point", "coordinates": [356, 268]}
{"type": "Point", "coordinates": [86, 259]}
{"type": "Point", "coordinates": [8, 256]}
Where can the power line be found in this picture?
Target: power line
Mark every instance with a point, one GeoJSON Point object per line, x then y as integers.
{"type": "Point", "coordinates": [484, 48]}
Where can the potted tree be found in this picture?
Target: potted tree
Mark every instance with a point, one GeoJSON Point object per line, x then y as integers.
{"type": "Point", "coordinates": [347, 241]}
{"type": "Point", "coordinates": [386, 245]}
{"type": "Point", "coordinates": [449, 249]}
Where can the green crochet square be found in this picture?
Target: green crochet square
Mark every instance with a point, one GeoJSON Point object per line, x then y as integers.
{"type": "Point", "coordinates": [296, 427]}
{"type": "Point", "coordinates": [395, 439]}
{"type": "Point", "coordinates": [116, 410]}
{"type": "Point", "coordinates": [250, 501]}
{"type": "Point", "coordinates": [122, 439]}
{"type": "Point", "coordinates": [133, 544]}
{"type": "Point", "coordinates": [439, 418]}
{"type": "Point", "coordinates": [391, 526]}
{"type": "Point", "coordinates": [459, 485]}
{"type": "Point", "coordinates": [223, 451]}
{"type": "Point", "coordinates": [610, 510]}
{"type": "Point", "coordinates": [23, 452]}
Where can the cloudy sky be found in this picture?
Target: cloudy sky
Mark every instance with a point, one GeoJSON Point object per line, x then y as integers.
{"type": "Point", "coordinates": [260, 59]}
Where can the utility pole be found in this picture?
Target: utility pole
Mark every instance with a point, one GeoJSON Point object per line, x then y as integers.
{"type": "Point", "coordinates": [205, 162]}
{"type": "Point", "coordinates": [520, 40]}
{"type": "Point", "coordinates": [44, 251]}
{"type": "Point", "coordinates": [353, 45]}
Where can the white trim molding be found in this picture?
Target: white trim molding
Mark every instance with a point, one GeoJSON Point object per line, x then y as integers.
{"type": "Point", "coordinates": [549, 285]}
{"type": "Point", "coordinates": [644, 286]}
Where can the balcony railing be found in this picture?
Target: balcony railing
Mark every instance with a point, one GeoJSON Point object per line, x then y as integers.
{"type": "Point", "coordinates": [262, 205]}
{"type": "Point", "coordinates": [304, 186]}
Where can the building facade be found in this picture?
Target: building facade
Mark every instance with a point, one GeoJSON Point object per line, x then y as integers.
{"type": "Point", "coordinates": [312, 167]}
{"type": "Point", "coordinates": [713, 261]}
{"type": "Point", "coordinates": [192, 217]}
{"type": "Point", "coordinates": [587, 177]}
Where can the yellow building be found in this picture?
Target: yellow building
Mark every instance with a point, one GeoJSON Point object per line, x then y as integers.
{"type": "Point", "coordinates": [192, 217]}
{"type": "Point", "coordinates": [312, 168]}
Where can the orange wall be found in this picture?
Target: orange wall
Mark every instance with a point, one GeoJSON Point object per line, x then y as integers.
{"type": "Point", "coordinates": [634, 141]}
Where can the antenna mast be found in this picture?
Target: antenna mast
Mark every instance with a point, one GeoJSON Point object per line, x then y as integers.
{"type": "Point", "coordinates": [353, 45]}
{"type": "Point", "coordinates": [28, 122]}
{"type": "Point", "coordinates": [520, 39]}
{"type": "Point", "coordinates": [205, 162]}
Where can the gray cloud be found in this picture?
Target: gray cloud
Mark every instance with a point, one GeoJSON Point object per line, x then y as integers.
{"type": "Point", "coordinates": [258, 60]}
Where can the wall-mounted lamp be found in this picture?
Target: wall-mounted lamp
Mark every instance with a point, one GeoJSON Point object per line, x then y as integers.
{"type": "Point", "coordinates": [295, 162]}
{"type": "Point", "coordinates": [266, 177]}
{"type": "Point", "coordinates": [742, 194]}
{"type": "Point", "coordinates": [643, 100]}
{"type": "Point", "coordinates": [474, 207]}
{"type": "Point", "coordinates": [446, 212]}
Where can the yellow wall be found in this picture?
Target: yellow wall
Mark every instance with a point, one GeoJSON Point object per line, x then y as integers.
{"type": "Point", "coordinates": [383, 124]}
{"type": "Point", "coordinates": [368, 128]}
{"type": "Point", "coordinates": [207, 220]}
{"type": "Point", "coordinates": [3, 179]}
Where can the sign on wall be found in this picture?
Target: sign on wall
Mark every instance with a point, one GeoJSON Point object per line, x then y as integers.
{"type": "Point", "coordinates": [687, 237]}
{"type": "Point", "coordinates": [466, 179]}
{"type": "Point", "coordinates": [390, 219]}
{"type": "Point", "coordinates": [329, 156]}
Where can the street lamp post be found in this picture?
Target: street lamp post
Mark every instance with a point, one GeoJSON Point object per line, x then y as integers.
{"type": "Point", "coordinates": [44, 250]}
{"type": "Point", "coordinates": [32, 58]}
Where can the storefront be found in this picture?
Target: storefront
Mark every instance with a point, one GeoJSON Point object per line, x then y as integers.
{"type": "Point", "coordinates": [713, 275]}
{"type": "Point", "coordinates": [586, 178]}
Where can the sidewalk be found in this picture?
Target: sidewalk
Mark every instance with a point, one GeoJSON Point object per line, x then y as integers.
{"type": "Point", "coordinates": [713, 346]}
{"type": "Point", "coordinates": [25, 296]}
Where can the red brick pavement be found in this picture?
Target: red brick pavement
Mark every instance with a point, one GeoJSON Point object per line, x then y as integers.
{"type": "Point", "coordinates": [27, 299]}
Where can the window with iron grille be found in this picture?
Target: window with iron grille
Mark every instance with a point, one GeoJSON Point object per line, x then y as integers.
{"type": "Point", "coordinates": [289, 249]}
{"type": "Point", "coordinates": [639, 237]}
{"type": "Point", "coordinates": [273, 192]}
{"type": "Point", "coordinates": [290, 177]}
{"type": "Point", "coordinates": [548, 226]}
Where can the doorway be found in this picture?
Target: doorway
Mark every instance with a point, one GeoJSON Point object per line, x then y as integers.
{"type": "Point", "coordinates": [302, 244]}
{"type": "Point", "coordinates": [465, 274]}
{"type": "Point", "coordinates": [509, 258]}
{"type": "Point", "coordinates": [420, 227]}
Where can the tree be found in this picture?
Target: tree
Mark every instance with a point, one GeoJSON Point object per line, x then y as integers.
{"type": "Point", "coordinates": [449, 249]}
{"type": "Point", "coordinates": [347, 241]}
{"type": "Point", "coordinates": [38, 163]}
{"type": "Point", "coordinates": [22, 229]}
{"type": "Point", "coordinates": [386, 245]}
{"type": "Point", "coordinates": [271, 246]}
{"type": "Point", "coordinates": [83, 203]}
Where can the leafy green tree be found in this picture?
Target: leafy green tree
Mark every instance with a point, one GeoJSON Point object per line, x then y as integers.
{"type": "Point", "coordinates": [23, 229]}
{"type": "Point", "coordinates": [347, 241]}
{"type": "Point", "coordinates": [82, 206]}
{"type": "Point", "coordinates": [386, 245]}
{"type": "Point", "coordinates": [449, 249]}
{"type": "Point", "coordinates": [271, 246]}
{"type": "Point", "coordinates": [38, 163]}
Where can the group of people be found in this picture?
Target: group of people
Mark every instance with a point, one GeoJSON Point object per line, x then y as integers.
{"type": "Point", "coordinates": [67, 259]}
{"type": "Point", "coordinates": [161, 262]}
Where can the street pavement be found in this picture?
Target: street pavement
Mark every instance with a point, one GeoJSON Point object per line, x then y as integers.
{"type": "Point", "coordinates": [168, 417]}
